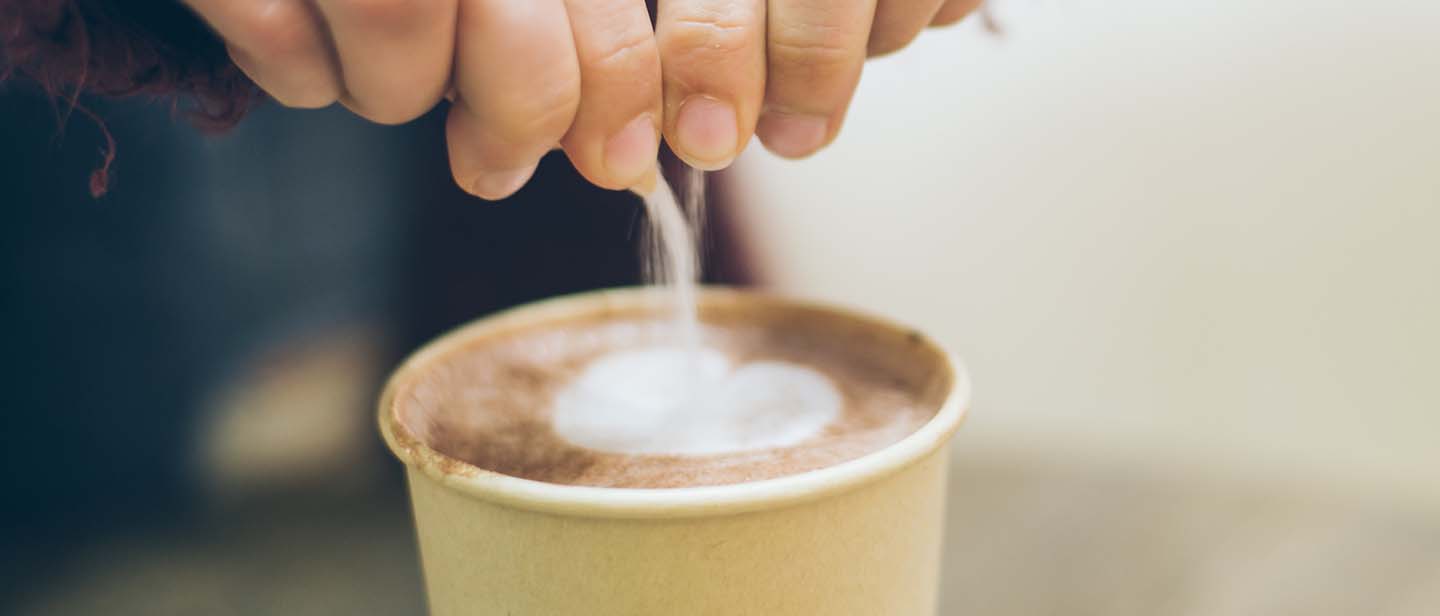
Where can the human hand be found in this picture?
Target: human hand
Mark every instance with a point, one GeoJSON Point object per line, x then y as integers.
{"type": "Point", "coordinates": [783, 70]}
{"type": "Point", "coordinates": [584, 75]}
{"type": "Point", "coordinates": [517, 70]}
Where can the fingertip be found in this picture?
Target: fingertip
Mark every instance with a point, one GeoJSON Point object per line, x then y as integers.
{"type": "Point", "coordinates": [706, 133]}
{"type": "Point", "coordinates": [630, 153]}
{"type": "Point", "coordinates": [955, 11]}
{"type": "Point", "coordinates": [878, 48]}
{"type": "Point", "coordinates": [647, 185]}
{"type": "Point", "coordinates": [494, 185]}
{"type": "Point", "coordinates": [391, 114]}
{"type": "Point", "coordinates": [472, 165]}
{"type": "Point", "coordinates": [792, 135]}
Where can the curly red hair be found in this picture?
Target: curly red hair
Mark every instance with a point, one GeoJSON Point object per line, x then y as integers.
{"type": "Point", "coordinates": [118, 48]}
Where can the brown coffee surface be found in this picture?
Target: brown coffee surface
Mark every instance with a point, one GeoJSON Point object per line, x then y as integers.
{"type": "Point", "coordinates": [487, 401]}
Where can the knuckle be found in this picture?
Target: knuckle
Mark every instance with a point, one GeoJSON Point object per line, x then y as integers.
{"type": "Point", "coordinates": [720, 32]}
{"type": "Point", "coordinates": [634, 52]}
{"type": "Point", "coordinates": [545, 116]}
{"type": "Point", "coordinates": [820, 49]}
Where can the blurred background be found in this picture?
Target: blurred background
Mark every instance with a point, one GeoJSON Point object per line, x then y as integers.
{"type": "Point", "coordinates": [1189, 251]}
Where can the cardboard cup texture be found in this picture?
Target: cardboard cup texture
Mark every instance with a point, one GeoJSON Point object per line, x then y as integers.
{"type": "Point", "coordinates": [859, 538]}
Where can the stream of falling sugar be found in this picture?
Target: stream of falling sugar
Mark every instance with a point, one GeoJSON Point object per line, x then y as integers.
{"type": "Point", "coordinates": [671, 257]}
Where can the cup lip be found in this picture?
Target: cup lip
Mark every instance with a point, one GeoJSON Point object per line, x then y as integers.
{"type": "Point", "coordinates": [605, 502]}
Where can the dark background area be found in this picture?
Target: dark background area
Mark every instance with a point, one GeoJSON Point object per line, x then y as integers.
{"type": "Point", "coordinates": [125, 315]}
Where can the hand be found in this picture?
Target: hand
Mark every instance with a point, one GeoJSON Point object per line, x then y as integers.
{"type": "Point", "coordinates": [784, 72]}
{"type": "Point", "coordinates": [526, 75]}
{"type": "Point", "coordinates": [585, 75]}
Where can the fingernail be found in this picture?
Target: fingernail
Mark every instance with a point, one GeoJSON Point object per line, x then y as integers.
{"type": "Point", "coordinates": [632, 151]}
{"type": "Point", "coordinates": [494, 185]}
{"type": "Point", "coordinates": [708, 131]}
{"type": "Point", "coordinates": [792, 135]}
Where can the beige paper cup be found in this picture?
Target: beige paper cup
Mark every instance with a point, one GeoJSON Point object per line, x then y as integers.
{"type": "Point", "coordinates": [862, 537]}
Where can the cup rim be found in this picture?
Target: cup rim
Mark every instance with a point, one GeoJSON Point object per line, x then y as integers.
{"type": "Point", "coordinates": [593, 501]}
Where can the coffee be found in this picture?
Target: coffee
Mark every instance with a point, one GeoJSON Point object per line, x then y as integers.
{"type": "Point", "coordinates": [535, 398]}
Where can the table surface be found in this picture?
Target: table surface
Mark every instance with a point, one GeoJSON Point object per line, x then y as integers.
{"type": "Point", "coordinates": [1023, 538]}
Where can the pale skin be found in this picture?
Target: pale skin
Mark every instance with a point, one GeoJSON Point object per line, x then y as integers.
{"type": "Point", "coordinates": [589, 76]}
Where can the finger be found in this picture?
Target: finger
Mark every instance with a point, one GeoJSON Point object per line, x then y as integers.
{"type": "Point", "coordinates": [280, 45]}
{"type": "Point", "coordinates": [897, 22]}
{"type": "Point", "coordinates": [518, 85]}
{"type": "Point", "coordinates": [616, 134]}
{"type": "Point", "coordinates": [955, 10]}
{"type": "Point", "coordinates": [712, 55]}
{"type": "Point", "coordinates": [816, 51]}
{"type": "Point", "coordinates": [394, 55]}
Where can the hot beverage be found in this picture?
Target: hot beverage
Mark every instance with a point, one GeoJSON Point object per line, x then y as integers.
{"type": "Point", "coordinates": [608, 399]}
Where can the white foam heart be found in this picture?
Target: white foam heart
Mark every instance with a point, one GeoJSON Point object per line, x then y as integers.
{"type": "Point", "coordinates": [679, 401]}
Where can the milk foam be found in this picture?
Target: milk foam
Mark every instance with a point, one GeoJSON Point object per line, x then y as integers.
{"type": "Point", "coordinates": [686, 401]}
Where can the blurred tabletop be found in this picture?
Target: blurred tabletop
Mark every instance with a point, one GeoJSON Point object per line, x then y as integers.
{"type": "Point", "coordinates": [1023, 538]}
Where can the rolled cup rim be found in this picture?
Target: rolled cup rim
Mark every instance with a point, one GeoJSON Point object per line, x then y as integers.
{"type": "Point", "coordinates": [608, 502]}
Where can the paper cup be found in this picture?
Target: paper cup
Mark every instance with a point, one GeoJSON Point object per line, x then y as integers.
{"type": "Point", "coordinates": [861, 537]}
